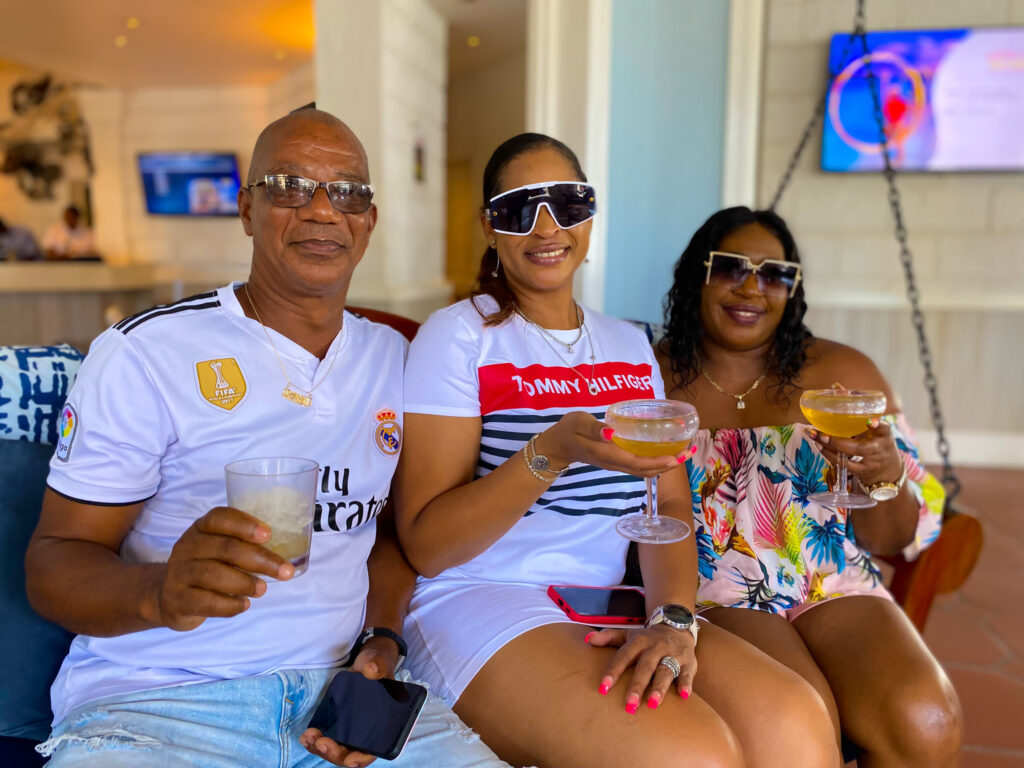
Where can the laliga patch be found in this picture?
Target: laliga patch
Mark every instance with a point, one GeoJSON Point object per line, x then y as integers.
{"type": "Point", "coordinates": [221, 382]}
{"type": "Point", "coordinates": [66, 433]}
{"type": "Point", "coordinates": [387, 434]}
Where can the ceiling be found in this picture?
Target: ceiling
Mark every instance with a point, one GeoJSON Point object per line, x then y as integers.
{"type": "Point", "coordinates": [214, 42]}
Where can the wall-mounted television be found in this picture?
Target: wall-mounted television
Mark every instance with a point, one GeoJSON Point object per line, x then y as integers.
{"type": "Point", "coordinates": [190, 183]}
{"type": "Point", "coordinates": [953, 100]}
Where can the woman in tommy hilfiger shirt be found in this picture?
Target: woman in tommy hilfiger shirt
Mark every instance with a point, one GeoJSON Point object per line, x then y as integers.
{"type": "Point", "coordinates": [509, 483]}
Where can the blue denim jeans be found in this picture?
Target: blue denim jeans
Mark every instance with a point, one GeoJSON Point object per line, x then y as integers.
{"type": "Point", "coordinates": [253, 721]}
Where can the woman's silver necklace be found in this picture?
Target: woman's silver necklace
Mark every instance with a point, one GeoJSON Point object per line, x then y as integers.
{"type": "Point", "coordinates": [591, 382]}
{"type": "Point", "coordinates": [547, 334]}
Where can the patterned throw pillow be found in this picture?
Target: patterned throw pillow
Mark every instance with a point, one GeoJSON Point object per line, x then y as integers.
{"type": "Point", "coordinates": [34, 382]}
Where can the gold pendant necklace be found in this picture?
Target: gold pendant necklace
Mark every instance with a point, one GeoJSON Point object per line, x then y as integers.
{"type": "Point", "coordinates": [740, 405]}
{"type": "Point", "coordinates": [290, 391]}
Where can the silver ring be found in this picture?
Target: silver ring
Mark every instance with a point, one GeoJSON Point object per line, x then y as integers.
{"type": "Point", "coordinates": [856, 459]}
{"type": "Point", "coordinates": [672, 664]}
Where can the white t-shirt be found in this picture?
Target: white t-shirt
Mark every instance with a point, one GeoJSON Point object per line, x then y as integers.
{"type": "Point", "coordinates": [520, 383]}
{"type": "Point", "coordinates": [163, 401]}
{"type": "Point", "coordinates": [66, 241]}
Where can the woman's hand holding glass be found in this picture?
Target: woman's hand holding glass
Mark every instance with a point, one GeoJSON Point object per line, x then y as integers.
{"type": "Point", "coordinates": [643, 650]}
{"type": "Point", "coordinates": [579, 437]}
{"type": "Point", "coordinates": [872, 456]}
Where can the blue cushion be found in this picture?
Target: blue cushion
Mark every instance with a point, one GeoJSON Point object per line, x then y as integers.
{"type": "Point", "coordinates": [31, 648]}
{"type": "Point", "coordinates": [34, 381]}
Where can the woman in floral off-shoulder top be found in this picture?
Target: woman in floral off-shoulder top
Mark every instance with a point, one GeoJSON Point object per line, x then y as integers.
{"type": "Point", "coordinates": [737, 348]}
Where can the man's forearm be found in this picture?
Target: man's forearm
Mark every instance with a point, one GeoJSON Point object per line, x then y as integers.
{"type": "Point", "coordinates": [89, 590]}
{"type": "Point", "coordinates": [392, 580]}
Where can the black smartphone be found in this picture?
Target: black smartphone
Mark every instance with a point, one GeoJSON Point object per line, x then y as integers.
{"type": "Point", "coordinates": [600, 606]}
{"type": "Point", "coordinates": [371, 716]}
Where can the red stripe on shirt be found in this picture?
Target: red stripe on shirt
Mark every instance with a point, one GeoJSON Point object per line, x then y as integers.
{"type": "Point", "coordinates": [504, 387]}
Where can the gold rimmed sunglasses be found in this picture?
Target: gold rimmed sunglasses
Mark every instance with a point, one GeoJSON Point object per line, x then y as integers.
{"type": "Point", "coordinates": [733, 269]}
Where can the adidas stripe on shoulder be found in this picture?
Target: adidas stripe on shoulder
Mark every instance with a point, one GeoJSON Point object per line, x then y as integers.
{"type": "Point", "coordinates": [206, 300]}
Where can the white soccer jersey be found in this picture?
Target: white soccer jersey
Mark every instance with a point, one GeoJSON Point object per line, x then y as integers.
{"type": "Point", "coordinates": [520, 384]}
{"type": "Point", "coordinates": [163, 401]}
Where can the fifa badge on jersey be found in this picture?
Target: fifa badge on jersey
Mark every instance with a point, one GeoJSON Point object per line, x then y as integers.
{"type": "Point", "coordinates": [387, 434]}
{"type": "Point", "coordinates": [66, 432]}
{"type": "Point", "coordinates": [221, 382]}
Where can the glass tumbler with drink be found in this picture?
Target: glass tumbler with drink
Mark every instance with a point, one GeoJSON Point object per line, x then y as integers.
{"type": "Point", "coordinates": [842, 412]}
{"type": "Point", "coordinates": [652, 428]}
{"type": "Point", "coordinates": [280, 492]}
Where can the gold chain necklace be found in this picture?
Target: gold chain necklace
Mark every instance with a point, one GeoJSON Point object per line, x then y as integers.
{"type": "Point", "coordinates": [290, 391]}
{"type": "Point", "coordinates": [740, 405]}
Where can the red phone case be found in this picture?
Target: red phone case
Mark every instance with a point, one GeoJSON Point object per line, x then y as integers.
{"type": "Point", "coordinates": [592, 619]}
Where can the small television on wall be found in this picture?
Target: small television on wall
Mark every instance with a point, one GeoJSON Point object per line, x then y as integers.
{"type": "Point", "coordinates": [952, 100]}
{"type": "Point", "coordinates": [190, 183]}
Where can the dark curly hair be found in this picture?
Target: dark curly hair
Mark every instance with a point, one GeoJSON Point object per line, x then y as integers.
{"type": "Point", "coordinates": [486, 282]}
{"type": "Point", "coordinates": [683, 327]}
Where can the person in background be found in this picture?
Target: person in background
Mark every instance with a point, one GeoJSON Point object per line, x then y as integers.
{"type": "Point", "coordinates": [17, 244]}
{"type": "Point", "coordinates": [70, 238]}
{"type": "Point", "coordinates": [788, 574]}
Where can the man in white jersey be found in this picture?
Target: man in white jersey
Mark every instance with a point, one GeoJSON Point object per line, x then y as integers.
{"type": "Point", "coordinates": [186, 654]}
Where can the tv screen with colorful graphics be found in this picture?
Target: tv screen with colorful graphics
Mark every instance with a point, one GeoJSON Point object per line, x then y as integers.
{"type": "Point", "coordinates": [190, 183]}
{"type": "Point", "coordinates": [952, 100]}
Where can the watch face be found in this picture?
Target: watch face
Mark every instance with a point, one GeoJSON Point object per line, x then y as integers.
{"type": "Point", "coordinates": [884, 493]}
{"type": "Point", "coordinates": [677, 614]}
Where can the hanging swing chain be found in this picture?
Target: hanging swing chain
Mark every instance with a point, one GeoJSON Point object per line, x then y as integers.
{"type": "Point", "coordinates": [949, 477]}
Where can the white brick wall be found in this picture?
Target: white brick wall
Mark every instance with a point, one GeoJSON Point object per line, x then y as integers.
{"type": "Point", "coordinates": [966, 230]}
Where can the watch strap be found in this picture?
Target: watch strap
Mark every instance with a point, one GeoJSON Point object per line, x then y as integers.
{"type": "Point", "coordinates": [371, 632]}
{"type": "Point", "coordinates": [538, 464]}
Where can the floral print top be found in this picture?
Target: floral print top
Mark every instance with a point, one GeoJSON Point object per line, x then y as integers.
{"type": "Point", "coordinates": [761, 543]}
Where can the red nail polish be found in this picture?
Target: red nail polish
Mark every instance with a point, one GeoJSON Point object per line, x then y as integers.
{"type": "Point", "coordinates": [607, 433]}
{"type": "Point", "coordinates": [587, 638]}
{"type": "Point", "coordinates": [681, 460]}
{"type": "Point", "coordinates": [653, 702]}
{"type": "Point", "coordinates": [693, 450]}
{"type": "Point", "coordinates": [684, 694]}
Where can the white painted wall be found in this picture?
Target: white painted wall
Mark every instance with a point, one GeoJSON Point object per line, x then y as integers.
{"type": "Point", "coordinates": [966, 234]}
{"type": "Point", "coordinates": [381, 66]}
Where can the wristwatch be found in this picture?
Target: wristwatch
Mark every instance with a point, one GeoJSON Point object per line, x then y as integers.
{"type": "Point", "coordinates": [537, 463]}
{"type": "Point", "coordinates": [675, 616]}
{"type": "Point", "coordinates": [369, 632]}
{"type": "Point", "coordinates": [887, 491]}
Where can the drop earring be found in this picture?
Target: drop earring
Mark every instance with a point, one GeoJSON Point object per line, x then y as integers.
{"type": "Point", "coordinates": [497, 266]}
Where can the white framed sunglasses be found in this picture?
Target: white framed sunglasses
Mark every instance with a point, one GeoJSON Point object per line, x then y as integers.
{"type": "Point", "coordinates": [515, 212]}
{"type": "Point", "coordinates": [732, 270]}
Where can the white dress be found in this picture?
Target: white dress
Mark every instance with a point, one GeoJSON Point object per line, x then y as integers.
{"type": "Point", "coordinates": [519, 383]}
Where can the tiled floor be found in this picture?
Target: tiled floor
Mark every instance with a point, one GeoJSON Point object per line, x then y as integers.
{"type": "Point", "coordinates": [978, 633]}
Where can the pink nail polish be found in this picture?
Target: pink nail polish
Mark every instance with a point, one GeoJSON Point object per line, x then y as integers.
{"type": "Point", "coordinates": [632, 704]}
{"type": "Point", "coordinates": [681, 460]}
{"type": "Point", "coordinates": [684, 694]}
{"type": "Point", "coordinates": [587, 638]}
{"type": "Point", "coordinates": [603, 689]}
{"type": "Point", "coordinates": [607, 433]}
{"type": "Point", "coordinates": [653, 701]}
{"type": "Point", "coordinates": [693, 450]}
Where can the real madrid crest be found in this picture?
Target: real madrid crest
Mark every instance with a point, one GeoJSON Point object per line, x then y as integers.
{"type": "Point", "coordinates": [387, 434]}
{"type": "Point", "coordinates": [221, 382]}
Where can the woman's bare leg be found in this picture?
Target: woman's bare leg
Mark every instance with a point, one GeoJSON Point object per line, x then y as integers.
{"type": "Point", "coordinates": [894, 699]}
